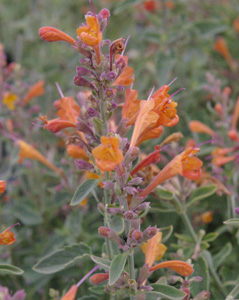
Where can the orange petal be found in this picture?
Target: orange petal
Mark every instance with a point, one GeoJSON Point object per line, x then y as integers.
{"type": "Point", "coordinates": [178, 266]}
{"type": "Point", "coordinates": [149, 134]}
{"type": "Point", "coordinates": [221, 47]}
{"type": "Point", "coordinates": [7, 237]}
{"type": "Point", "coordinates": [125, 77]}
{"type": "Point", "coordinates": [51, 34]}
{"type": "Point", "coordinates": [27, 151]}
{"type": "Point", "coordinates": [199, 127]}
{"type": "Point", "coordinates": [2, 186]}
{"type": "Point", "coordinates": [76, 152]}
{"type": "Point", "coordinates": [36, 90]}
{"type": "Point", "coordinates": [131, 106]}
{"type": "Point", "coordinates": [71, 294]}
{"type": "Point", "coordinates": [99, 278]}
{"type": "Point", "coordinates": [222, 160]}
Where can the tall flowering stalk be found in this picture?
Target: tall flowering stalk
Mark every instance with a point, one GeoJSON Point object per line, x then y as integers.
{"type": "Point", "coordinates": [97, 138]}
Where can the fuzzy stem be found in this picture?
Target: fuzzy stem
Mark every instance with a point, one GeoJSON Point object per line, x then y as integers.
{"type": "Point", "coordinates": [103, 111]}
{"type": "Point", "coordinates": [234, 292]}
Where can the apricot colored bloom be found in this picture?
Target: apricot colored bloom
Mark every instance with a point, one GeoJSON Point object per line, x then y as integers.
{"type": "Point", "coordinates": [28, 151]}
{"type": "Point", "coordinates": [220, 158]}
{"type": "Point", "coordinates": [153, 249]}
{"type": "Point", "coordinates": [159, 110]}
{"type": "Point", "coordinates": [9, 100]}
{"type": "Point", "coordinates": [2, 186]}
{"type": "Point", "coordinates": [199, 127]}
{"type": "Point", "coordinates": [131, 106]}
{"type": "Point", "coordinates": [236, 24]}
{"type": "Point", "coordinates": [178, 266]}
{"type": "Point", "coordinates": [76, 151]}
{"type": "Point", "coordinates": [125, 78]}
{"type": "Point", "coordinates": [206, 217]}
{"type": "Point", "coordinates": [232, 134]}
{"type": "Point", "coordinates": [7, 237]}
{"type": "Point", "coordinates": [185, 164]}
{"type": "Point", "coordinates": [36, 90]}
{"type": "Point", "coordinates": [108, 155]}
{"type": "Point", "coordinates": [56, 125]}
{"type": "Point", "coordinates": [221, 47]}
{"type": "Point", "coordinates": [71, 294]}
{"type": "Point", "coordinates": [51, 34]}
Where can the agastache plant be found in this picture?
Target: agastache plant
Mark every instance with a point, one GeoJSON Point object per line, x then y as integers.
{"type": "Point", "coordinates": [96, 138]}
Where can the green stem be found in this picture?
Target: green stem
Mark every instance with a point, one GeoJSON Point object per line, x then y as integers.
{"type": "Point", "coordinates": [183, 212]}
{"type": "Point", "coordinates": [103, 111]}
{"type": "Point", "coordinates": [234, 292]}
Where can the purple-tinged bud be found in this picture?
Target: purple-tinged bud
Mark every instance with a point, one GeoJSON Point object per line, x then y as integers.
{"type": "Point", "coordinates": [147, 288]}
{"type": "Point", "coordinates": [196, 279]}
{"type": "Point", "coordinates": [91, 112]}
{"type": "Point", "coordinates": [106, 42]}
{"type": "Point", "coordinates": [120, 64]}
{"type": "Point", "coordinates": [137, 235]}
{"type": "Point", "coordinates": [131, 155]}
{"type": "Point", "coordinates": [150, 232]}
{"type": "Point", "coordinates": [84, 127]}
{"type": "Point", "coordinates": [237, 210]}
{"type": "Point", "coordinates": [119, 88]}
{"type": "Point", "coordinates": [130, 190]}
{"type": "Point", "coordinates": [108, 185]}
{"type": "Point", "coordinates": [116, 47]}
{"type": "Point", "coordinates": [84, 61]}
{"type": "Point", "coordinates": [81, 47]}
{"type": "Point", "coordinates": [109, 93]}
{"type": "Point", "coordinates": [123, 128]}
{"type": "Point", "coordinates": [110, 76]}
{"type": "Point", "coordinates": [142, 209]}
{"type": "Point", "coordinates": [83, 165]}
{"type": "Point", "coordinates": [204, 295]}
{"type": "Point", "coordinates": [135, 181]}
{"type": "Point", "coordinates": [115, 210]}
{"type": "Point", "coordinates": [19, 295]}
{"type": "Point", "coordinates": [81, 71]}
{"type": "Point", "coordinates": [110, 234]}
{"type": "Point", "coordinates": [129, 215]}
{"type": "Point", "coordinates": [81, 81]}
{"type": "Point", "coordinates": [104, 13]}
{"type": "Point", "coordinates": [112, 106]}
{"type": "Point", "coordinates": [132, 283]}
{"type": "Point", "coordinates": [144, 274]}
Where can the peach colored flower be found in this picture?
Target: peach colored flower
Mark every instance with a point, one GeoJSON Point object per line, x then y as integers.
{"type": "Point", "coordinates": [36, 90]}
{"type": "Point", "coordinates": [2, 186]}
{"type": "Point", "coordinates": [199, 127]}
{"type": "Point", "coordinates": [51, 34]}
{"type": "Point", "coordinates": [28, 151]}
{"type": "Point", "coordinates": [221, 47]}
{"type": "Point", "coordinates": [185, 164]}
{"type": "Point", "coordinates": [131, 106]}
{"type": "Point", "coordinates": [76, 152]}
{"type": "Point", "coordinates": [178, 266]}
{"type": "Point", "coordinates": [71, 294]}
{"type": "Point", "coordinates": [108, 155]}
{"type": "Point", "coordinates": [7, 237]}
{"type": "Point", "coordinates": [125, 78]}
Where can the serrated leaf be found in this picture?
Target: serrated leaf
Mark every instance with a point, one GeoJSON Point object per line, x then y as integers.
{"type": "Point", "coordinates": [164, 194]}
{"type": "Point", "coordinates": [83, 191]}
{"type": "Point", "coordinates": [117, 267]}
{"type": "Point", "coordinates": [102, 262]}
{"type": "Point", "coordinates": [210, 236]}
{"type": "Point", "coordinates": [220, 257]}
{"type": "Point", "coordinates": [62, 258]}
{"type": "Point", "coordinates": [200, 269]}
{"type": "Point", "coordinates": [167, 292]}
{"type": "Point", "coordinates": [166, 231]}
{"type": "Point", "coordinates": [9, 269]}
{"type": "Point", "coordinates": [232, 222]}
{"type": "Point", "coordinates": [202, 193]}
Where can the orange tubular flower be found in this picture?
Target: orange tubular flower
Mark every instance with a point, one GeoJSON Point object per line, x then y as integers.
{"type": "Point", "coordinates": [219, 158]}
{"type": "Point", "coordinates": [199, 127]}
{"type": "Point", "coordinates": [2, 186]}
{"type": "Point", "coordinates": [178, 266]}
{"type": "Point", "coordinates": [221, 47]}
{"type": "Point", "coordinates": [36, 90]}
{"type": "Point", "coordinates": [159, 110]}
{"type": "Point", "coordinates": [57, 125]}
{"type": "Point", "coordinates": [76, 152]}
{"type": "Point", "coordinates": [51, 34]}
{"type": "Point", "coordinates": [152, 158]}
{"type": "Point", "coordinates": [153, 249]}
{"type": "Point", "coordinates": [131, 106]}
{"type": "Point", "coordinates": [27, 151]}
{"type": "Point", "coordinates": [91, 35]}
{"type": "Point", "coordinates": [125, 78]}
{"type": "Point", "coordinates": [71, 294]}
{"type": "Point", "coordinates": [99, 278]}
{"type": "Point", "coordinates": [7, 237]}
{"type": "Point", "coordinates": [185, 164]}
{"type": "Point", "coordinates": [236, 24]}
{"type": "Point", "coordinates": [108, 155]}
{"type": "Point", "coordinates": [235, 115]}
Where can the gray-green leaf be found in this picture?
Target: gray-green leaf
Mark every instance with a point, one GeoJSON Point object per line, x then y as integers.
{"type": "Point", "coordinates": [117, 267]}
{"type": "Point", "coordinates": [167, 292]}
{"type": "Point", "coordinates": [83, 191]}
{"type": "Point", "coordinates": [9, 269]}
{"type": "Point", "coordinates": [202, 193]}
{"type": "Point", "coordinates": [232, 222]}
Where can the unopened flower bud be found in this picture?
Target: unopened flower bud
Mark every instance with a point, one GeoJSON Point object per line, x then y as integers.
{"type": "Point", "coordinates": [110, 234]}
{"type": "Point", "coordinates": [81, 71]}
{"type": "Point", "coordinates": [99, 278]}
{"type": "Point", "coordinates": [105, 13]}
{"type": "Point", "coordinates": [108, 185]}
{"type": "Point", "coordinates": [120, 64]}
{"type": "Point", "coordinates": [109, 93]}
{"type": "Point", "coordinates": [219, 110]}
{"type": "Point", "coordinates": [144, 274]}
{"type": "Point", "coordinates": [174, 279]}
{"type": "Point", "coordinates": [112, 106]}
{"type": "Point", "coordinates": [129, 215]}
{"type": "Point", "coordinates": [137, 235]}
{"type": "Point", "coordinates": [150, 232]}
{"type": "Point", "coordinates": [131, 155]}
{"type": "Point", "coordinates": [196, 279]}
{"type": "Point", "coordinates": [132, 283]}
{"type": "Point", "coordinates": [204, 295]}
{"type": "Point", "coordinates": [130, 190]}
{"type": "Point", "coordinates": [115, 210]}
{"type": "Point", "coordinates": [237, 210]}
{"type": "Point", "coordinates": [83, 165]}
{"type": "Point", "coordinates": [135, 181]}
{"type": "Point", "coordinates": [110, 76]}
{"type": "Point", "coordinates": [81, 81]}
{"type": "Point", "coordinates": [91, 112]}
{"type": "Point", "coordinates": [119, 88]}
{"type": "Point", "coordinates": [232, 134]}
